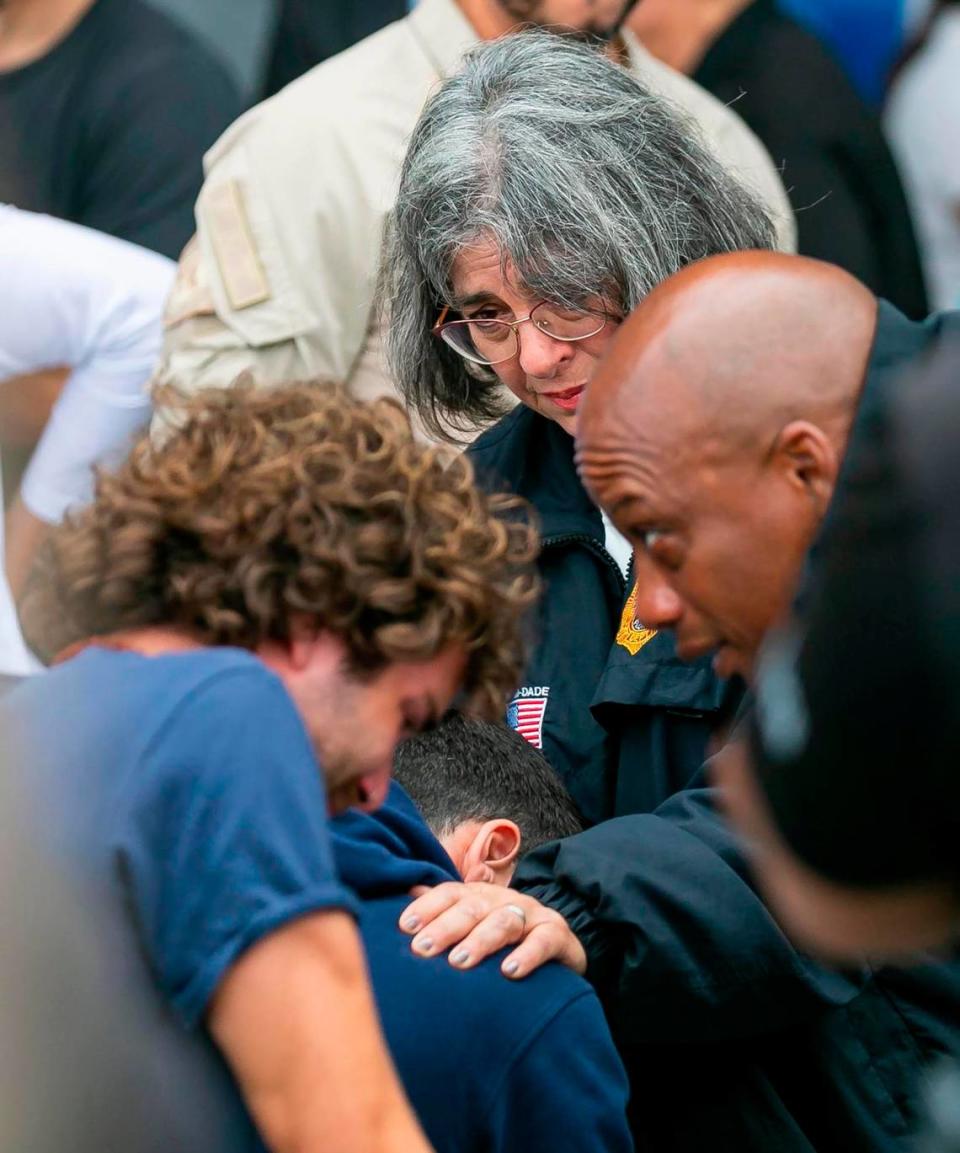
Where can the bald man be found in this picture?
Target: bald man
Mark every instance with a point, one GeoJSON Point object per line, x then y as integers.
{"type": "Point", "coordinates": [715, 431]}
{"type": "Point", "coordinates": [714, 436]}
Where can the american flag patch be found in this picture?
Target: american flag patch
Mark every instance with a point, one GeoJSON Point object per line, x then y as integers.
{"type": "Point", "coordinates": [525, 714]}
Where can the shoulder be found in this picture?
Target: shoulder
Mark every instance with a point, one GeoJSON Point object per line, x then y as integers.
{"type": "Point", "coordinates": [135, 43]}
{"type": "Point", "coordinates": [536, 1049]}
{"type": "Point", "coordinates": [723, 127]}
{"type": "Point", "coordinates": [496, 1018]}
{"type": "Point", "coordinates": [787, 57]}
{"type": "Point", "coordinates": [500, 451]}
{"type": "Point", "coordinates": [381, 81]}
{"type": "Point", "coordinates": [219, 700]}
{"type": "Point", "coordinates": [725, 132]}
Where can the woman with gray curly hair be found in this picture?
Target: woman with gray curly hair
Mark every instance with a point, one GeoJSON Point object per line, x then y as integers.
{"type": "Point", "coordinates": [544, 194]}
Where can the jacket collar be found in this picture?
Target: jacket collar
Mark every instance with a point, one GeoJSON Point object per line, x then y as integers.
{"type": "Point", "coordinates": [526, 454]}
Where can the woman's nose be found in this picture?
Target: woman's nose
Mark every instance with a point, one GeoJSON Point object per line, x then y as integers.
{"type": "Point", "coordinates": [542, 356]}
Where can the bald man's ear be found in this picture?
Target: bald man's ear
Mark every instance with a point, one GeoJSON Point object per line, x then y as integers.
{"type": "Point", "coordinates": [492, 855]}
{"type": "Point", "coordinates": [808, 459]}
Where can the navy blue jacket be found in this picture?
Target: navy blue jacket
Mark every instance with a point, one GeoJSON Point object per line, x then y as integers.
{"type": "Point", "coordinates": [489, 1065]}
{"type": "Point", "coordinates": [625, 722]}
{"type": "Point", "coordinates": [733, 1040]}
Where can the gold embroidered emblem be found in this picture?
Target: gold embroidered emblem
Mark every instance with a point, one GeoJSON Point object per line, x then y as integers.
{"type": "Point", "coordinates": [631, 635]}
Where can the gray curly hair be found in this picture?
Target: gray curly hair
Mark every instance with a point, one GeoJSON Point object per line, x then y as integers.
{"type": "Point", "coordinates": [586, 182]}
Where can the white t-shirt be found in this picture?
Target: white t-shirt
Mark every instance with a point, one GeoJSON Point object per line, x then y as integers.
{"type": "Point", "coordinates": [75, 298]}
{"type": "Point", "coordinates": [923, 123]}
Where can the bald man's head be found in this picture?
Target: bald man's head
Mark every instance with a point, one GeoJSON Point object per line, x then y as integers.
{"type": "Point", "coordinates": [713, 432]}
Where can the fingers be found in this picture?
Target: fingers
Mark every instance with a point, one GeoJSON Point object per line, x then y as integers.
{"type": "Point", "coordinates": [547, 941]}
{"type": "Point", "coordinates": [472, 927]}
{"type": "Point", "coordinates": [473, 920]}
{"type": "Point", "coordinates": [430, 904]}
{"type": "Point", "coordinates": [477, 920]}
{"type": "Point", "coordinates": [499, 928]}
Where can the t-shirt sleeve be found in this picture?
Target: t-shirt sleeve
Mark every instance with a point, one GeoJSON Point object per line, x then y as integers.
{"type": "Point", "coordinates": [227, 839]}
{"type": "Point", "coordinates": [90, 303]}
{"type": "Point", "coordinates": [566, 1091]}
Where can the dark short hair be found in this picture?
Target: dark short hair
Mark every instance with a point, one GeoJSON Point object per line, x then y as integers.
{"type": "Point", "coordinates": [474, 770]}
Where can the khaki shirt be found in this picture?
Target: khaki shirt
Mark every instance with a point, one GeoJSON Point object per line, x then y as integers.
{"type": "Point", "coordinates": [280, 277]}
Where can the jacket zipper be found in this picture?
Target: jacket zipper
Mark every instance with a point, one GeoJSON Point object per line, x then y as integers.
{"type": "Point", "coordinates": [594, 546]}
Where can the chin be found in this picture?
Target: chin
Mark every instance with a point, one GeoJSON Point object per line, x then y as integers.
{"type": "Point", "coordinates": [569, 424]}
{"type": "Point", "coordinates": [729, 662]}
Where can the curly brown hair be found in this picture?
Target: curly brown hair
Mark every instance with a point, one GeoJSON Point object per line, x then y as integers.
{"type": "Point", "coordinates": [264, 504]}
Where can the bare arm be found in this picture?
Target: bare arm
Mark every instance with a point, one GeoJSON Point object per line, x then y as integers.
{"type": "Point", "coordinates": [25, 405]}
{"type": "Point", "coordinates": [295, 1020]}
{"type": "Point", "coordinates": [25, 533]}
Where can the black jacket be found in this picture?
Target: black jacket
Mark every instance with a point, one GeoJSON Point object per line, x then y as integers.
{"type": "Point", "coordinates": [625, 723]}
{"type": "Point", "coordinates": [838, 169]}
{"type": "Point", "coordinates": [733, 1040]}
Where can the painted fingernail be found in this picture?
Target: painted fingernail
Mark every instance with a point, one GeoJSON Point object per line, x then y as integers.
{"type": "Point", "coordinates": [510, 967]}
{"type": "Point", "coordinates": [411, 924]}
{"type": "Point", "coordinates": [460, 958]}
{"type": "Point", "coordinates": [424, 945]}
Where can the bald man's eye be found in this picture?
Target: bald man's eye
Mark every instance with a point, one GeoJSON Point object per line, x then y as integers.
{"type": "Point", "coordinates": [662, 548]}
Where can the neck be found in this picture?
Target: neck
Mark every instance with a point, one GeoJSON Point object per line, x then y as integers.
{"type": "Point", "coordinates": [30, 28]}
{"type": "Point", "coordinates": [490, 19]}
{"type": "Point", "coordinates": [681, 32]}
{"type": "Point", "coordinates": [150, 641]}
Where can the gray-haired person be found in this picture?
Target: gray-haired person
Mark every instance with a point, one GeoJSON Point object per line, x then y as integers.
{"type": "Point", "coordinates": [544, 194]}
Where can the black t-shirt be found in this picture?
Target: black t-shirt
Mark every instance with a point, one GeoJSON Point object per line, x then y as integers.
{"type": "Point", "coordinates": [109, 128]}
{"type": "Point", "coordinates": [837, 167]}
{"type": "Point", "coordinates": [309, 32]}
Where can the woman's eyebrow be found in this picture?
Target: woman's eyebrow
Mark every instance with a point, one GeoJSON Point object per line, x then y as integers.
{"type": "Point", "coordinates": [462, 302]}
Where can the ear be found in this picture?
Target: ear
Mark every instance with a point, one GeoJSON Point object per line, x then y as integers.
{"type": "Point", "coordinates": [809, 460]}
{"type": "Point", "coordinates": [492, 854]}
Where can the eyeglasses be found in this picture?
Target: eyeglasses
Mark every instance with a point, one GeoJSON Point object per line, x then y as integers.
{"type": "Point", "coordinates": [487, 341]}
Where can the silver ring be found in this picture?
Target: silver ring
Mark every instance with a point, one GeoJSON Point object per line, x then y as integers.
{"type": "Point", "coordinates": [519, 912]}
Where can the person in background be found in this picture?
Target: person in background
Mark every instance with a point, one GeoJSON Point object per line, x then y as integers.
{"type": "Point", "coordinates": [81, 308]}
{"type": "Point", "coordinates": [106, 110]}
{"type": "Point", "coordinates": [860, 817]}
{"type": "Point", "coordinates": [309, 32]}
{"type": "Point", "coordinates": [281, 277]}
{"type": "Point", "coordinates": [865, 36]}
{"type": "Point", "coordinates": [843, 183]}
{"type": "Point", "coordinates": [922, 119]}
{"type": "Point", "coordinates": [535, 1066]}
{"type": "Point", "coordinates": [245, 622]}
{"type": "Point", "coordinates": [714, 433]}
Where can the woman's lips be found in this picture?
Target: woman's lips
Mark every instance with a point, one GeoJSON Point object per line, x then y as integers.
{"type": "Point", "coordinates": [568, 399]}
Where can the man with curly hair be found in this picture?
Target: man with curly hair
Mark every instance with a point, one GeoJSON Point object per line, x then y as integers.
{"type": "Point", "coordinates": [250, 614]}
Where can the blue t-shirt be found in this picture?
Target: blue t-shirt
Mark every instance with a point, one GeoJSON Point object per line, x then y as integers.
{"type": "Point", "coordinates": [187, 785]}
